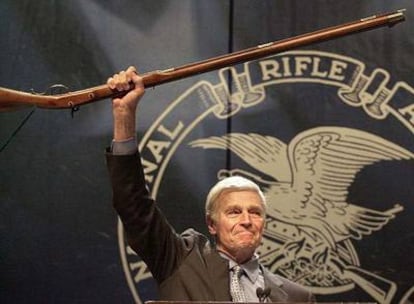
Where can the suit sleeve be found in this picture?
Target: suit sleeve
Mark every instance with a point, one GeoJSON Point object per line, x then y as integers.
{"type": "Point", "coordinates": [148, 232]}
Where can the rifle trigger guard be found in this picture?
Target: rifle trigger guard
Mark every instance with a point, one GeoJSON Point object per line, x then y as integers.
{"type": "Point", "coordinates": [73, 108]}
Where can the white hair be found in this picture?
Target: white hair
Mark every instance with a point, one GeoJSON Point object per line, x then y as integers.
{"type": "Point", "coordinates": [232, 183]}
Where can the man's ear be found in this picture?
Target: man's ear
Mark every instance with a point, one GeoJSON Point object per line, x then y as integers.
{"type": "Point", "coordinates": [211, 225]}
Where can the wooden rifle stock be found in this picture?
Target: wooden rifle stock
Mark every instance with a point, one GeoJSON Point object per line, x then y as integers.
{"type": "Point", "coordinates": [12, 99]}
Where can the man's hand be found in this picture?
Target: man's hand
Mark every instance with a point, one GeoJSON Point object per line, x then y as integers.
{"type": "Point", "coordinates": [124, 108]}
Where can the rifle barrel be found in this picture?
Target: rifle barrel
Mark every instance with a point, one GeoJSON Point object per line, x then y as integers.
{"type": "Point", "coordinates": [11, 99]}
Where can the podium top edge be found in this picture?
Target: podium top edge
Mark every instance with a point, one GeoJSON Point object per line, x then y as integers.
{"type": "Point", "coordinates": [224, 302]}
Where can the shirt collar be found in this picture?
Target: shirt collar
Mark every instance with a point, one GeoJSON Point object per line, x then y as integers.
{"type": "Point", "coordinates": [251, 267]}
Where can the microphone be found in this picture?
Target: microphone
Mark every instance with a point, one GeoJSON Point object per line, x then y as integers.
{"type": "Point", "coordinates": [262, 294]}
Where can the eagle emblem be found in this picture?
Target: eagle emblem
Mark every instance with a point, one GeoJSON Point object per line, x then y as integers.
{"type": "Point", "coordinates": [310, 222]}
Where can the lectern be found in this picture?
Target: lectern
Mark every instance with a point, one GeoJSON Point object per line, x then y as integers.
{"type": "Point", "coordinates": [218, 302]}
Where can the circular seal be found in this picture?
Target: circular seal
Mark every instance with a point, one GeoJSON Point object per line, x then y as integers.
{"type": "Point", "coordinates": [310, 238]}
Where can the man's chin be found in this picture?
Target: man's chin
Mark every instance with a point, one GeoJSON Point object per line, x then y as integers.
{"type": "Point", "coordinates": [247, 245]}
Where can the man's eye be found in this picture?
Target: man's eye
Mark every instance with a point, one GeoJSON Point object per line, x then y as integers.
{"type": "Point", "coordinates": [256, 213]}
{"type": "Point", "coordinates": [233, 212]}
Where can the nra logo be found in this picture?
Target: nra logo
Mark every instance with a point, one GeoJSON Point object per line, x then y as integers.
{"type": "Point", "coordinates": [313, 231]}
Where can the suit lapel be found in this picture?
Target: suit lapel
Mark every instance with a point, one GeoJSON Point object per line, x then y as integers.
{"type": "Point", "coordinates": [218, 272]}
{"type": "Point", "coordinates": [277, 293]}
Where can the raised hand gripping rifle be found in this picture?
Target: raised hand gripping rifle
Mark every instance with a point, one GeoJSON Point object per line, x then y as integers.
{"type": "Point", "coordinates": [12, 99]}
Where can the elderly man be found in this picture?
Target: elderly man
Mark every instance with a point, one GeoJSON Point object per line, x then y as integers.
{"type": "Point", "coordinates": [187, 266]}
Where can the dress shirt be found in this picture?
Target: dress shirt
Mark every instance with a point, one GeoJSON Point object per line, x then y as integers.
{"type": "Point", "coordinates": [124, 147]}
{"type": "Point", "coordinates": [252, 277]}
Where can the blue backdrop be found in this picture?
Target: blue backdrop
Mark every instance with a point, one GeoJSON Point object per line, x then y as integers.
{"type": "Point", "coordinates": [335, 119]}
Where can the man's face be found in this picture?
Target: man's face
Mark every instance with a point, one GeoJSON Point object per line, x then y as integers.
{"type": "Point", "coordinates": [238, 223]}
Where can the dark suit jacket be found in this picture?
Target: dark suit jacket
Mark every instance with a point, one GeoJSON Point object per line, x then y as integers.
{"type": "Point", "coordinates": [186, 266]}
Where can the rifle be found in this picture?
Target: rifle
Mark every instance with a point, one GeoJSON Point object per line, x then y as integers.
{"type": "Point", "coordinates": [13, 100]}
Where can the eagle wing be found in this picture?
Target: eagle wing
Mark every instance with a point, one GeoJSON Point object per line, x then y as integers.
{"type": "Point", "coordinates": [264, 153]}
{"type": "Point", "coordinates": [325, 161]}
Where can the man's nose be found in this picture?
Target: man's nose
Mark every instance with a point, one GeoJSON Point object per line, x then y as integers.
{"type": "Point", "coordinates": [245, 218]}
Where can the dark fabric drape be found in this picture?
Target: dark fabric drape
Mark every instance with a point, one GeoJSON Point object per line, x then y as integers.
{"type": "Point", "coordinates": [60, 239]}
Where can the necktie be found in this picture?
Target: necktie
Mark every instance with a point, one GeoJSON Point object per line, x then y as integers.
{"type": "Point", "coordinates": [236, 289]}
